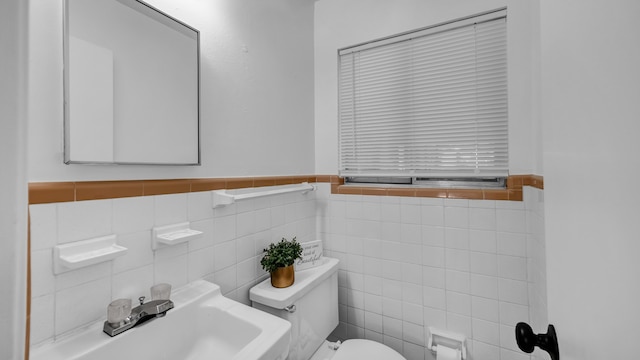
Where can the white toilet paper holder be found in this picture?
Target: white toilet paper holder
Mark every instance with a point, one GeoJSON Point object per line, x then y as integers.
{"type": "Point", "coordinates": [447, 338]}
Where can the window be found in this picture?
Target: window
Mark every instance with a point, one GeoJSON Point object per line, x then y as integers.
{"type": "Point", "coordinates": [429, 104]}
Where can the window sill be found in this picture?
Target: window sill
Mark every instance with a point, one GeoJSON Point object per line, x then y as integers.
{"type": "Point", "coordinates": [513, 192]}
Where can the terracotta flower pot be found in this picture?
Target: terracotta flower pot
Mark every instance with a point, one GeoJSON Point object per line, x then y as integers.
{"type": "Point", "coordinates": [283, 277]}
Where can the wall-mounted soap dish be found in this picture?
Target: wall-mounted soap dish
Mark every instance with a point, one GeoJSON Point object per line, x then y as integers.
{"type": "Point", "coordinates": [84, 253]}
{"type": "Point", "coordinates": [172, 235]}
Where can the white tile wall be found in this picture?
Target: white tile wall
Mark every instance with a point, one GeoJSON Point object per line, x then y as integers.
{"type": "Point", "coordinates": [462, 265]}
{"type": "Point", "coordinates": [227, 254]}
{"type": "Point", "coordinates": [472, 266]}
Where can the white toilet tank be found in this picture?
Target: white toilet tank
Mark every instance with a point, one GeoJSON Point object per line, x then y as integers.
{"type": "Point", "coordinates": [310, 305]}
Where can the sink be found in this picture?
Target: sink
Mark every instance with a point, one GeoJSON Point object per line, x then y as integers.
{"type": "Point", "coordinates": [203, 325]}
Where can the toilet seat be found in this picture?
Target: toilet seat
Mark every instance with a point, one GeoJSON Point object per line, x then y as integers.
{"type": "Point", "coordinates": [366, 349]}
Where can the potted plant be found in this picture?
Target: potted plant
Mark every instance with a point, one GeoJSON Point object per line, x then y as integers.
{"type": "Point", "coordinates": [278, 261]}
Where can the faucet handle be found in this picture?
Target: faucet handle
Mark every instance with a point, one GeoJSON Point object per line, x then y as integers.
{"type": "Point", "coordinates": [141, 299]}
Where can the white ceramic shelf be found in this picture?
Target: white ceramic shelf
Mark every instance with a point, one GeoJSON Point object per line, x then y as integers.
{"type": "Point", "coordinates": [228, 197]}
{"type": "Point", "coordinates": [85, 253]}
{"type": "Point", "coordinates": [172, 235]}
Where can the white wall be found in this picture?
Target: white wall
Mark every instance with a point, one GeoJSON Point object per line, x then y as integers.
{"type": "Point", "coordinates": [13, 179]}
{"type": "Point", "coordinates": [343, 23]}
{"type": "Point", "coordinates": [256, 91]}
{"type": "Point", "coordinates": [590, 110]}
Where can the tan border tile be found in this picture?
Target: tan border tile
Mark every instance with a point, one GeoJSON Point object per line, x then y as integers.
{"type": "Point", "coordinates": [515, 195]}
{"type": "Point", "coordinates": [375, 191]}
{"type": "Point", "coordinates": [349, 190]}
{"type": "Point", "coordinates": [472, 194]}
{"type": "Point", "coordinates": [323, 178]}
{"type": "Point", "coordinates": [264, 181]}
{"type": "Point", "coordinates": [239, 183]}
{"type": "Point", "coordinates": [95, 190]}
{"type": "Point", "coordinates": [431, 193]}
{"type": "Point", "coordinates": [51, 192]}
{"type": "Point", "coordinates": [283, 180]}
{"type": "Point", "coordinates": [164, 187]}
{"type": "Point", "coordinates": [495, 194]}
{"type": "Point", "coordinates": [208, 184]}
{"type": "Point", "coordinates": [535, 181]}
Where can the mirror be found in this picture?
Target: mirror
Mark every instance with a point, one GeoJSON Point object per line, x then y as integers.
{"type": "Point", "coordinates": [131, 85]}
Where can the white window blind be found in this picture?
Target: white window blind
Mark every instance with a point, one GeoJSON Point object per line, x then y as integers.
{"type": "Point", "coordinates": [430, 103]}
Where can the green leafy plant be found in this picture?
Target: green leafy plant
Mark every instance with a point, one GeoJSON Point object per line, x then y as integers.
{"type": "Point", "coordinates": [281, 254]}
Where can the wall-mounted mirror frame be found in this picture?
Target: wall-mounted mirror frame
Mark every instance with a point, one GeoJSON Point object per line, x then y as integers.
{"type": "Point", "coordinates": [131, 85]}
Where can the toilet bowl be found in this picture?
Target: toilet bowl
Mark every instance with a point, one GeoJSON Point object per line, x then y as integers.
{"type": "Point", "coordinates": [311, 306]}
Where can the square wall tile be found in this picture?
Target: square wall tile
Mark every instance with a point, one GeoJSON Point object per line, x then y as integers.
{"type": "Point", "coordinates": [456, 238]}
{"type": "Point", "coordinates": [485, 286]}
{"type": "Point", "coordinates": [373, 321]}
{"type": "Point", "coordinates": [373, 303]}
{"type": "Point", "coordinates": [485, 309]}
{"type": "Point", "coordinates": [44, 226]}
{"type": "Point", "coordinates": [484, 263]}
{"type": "Point", "coordinates": [486, 331]}
{"type": "Point", "coordinates": [512, 267]}
{"type": "Point", "coordinates": [482, 219]}
{"type": "Point", "coordinates": [457, 281]}
{"type": "Point", "coordinates": [432, 235]}
{"type": "Point", "coordinates": [133, 214]}
{"type": "Point", "coordinates": [392, 327]}
{"type": "Point", "coordinates": [510, 220]}
{"type": "Point", "coordinates": [435, 317]}
{"type": "Point", "coordinates": [224, 255]}
{"type": "Point", "coordinates": [43, 282]}
{"type": "Point", "coordinates": [199, 205]}
{"type": "Point", "coordinates": [434, 298]}
{"type": "Point", "coordinates": [459, 323]}
{"type": "Point", "coordinates": [170, 209]}
{"type": "Point", "coordinates": [433, 277]}
{"type": "Point", "coordinates": [458, 303]}
{"type": "Point", "coordinates": [432, 215]}
{"type": "Point", "coordinates": [80, 276]}
{"type": "Point", "coordinates": [139, 252]}
{"type": "Point", "coordinates": [512, 244]}
{"type": "Point", "coordinates": [227, 279]}
{"type": "Point", "coordinates": [76, 306]}
{"type": "Point", "coordinates": [201, 263]}
{"type": "Point", "coordinates": [456, 217]}
{"type": "Point", "coordinates": [413, 333]}
{"type": "Point", "coordinates": [483, 241]}
{"type": "Point", "coordinates": [133, 283]}
{"type": "Point", "coordinates": [82, 220]}
{"type": "Point", "coordinates": [513, 291]}
{"type": "Point", "coordinates": [224, 229]}
{"type": "Point", "coordinates": [172, 270]}
{"type": "Point", "coordinates": [457, 259]}
{"type": "Point", "coordinates": [42, 318]}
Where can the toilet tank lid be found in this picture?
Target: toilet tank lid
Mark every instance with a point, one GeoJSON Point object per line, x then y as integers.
{"type": "Point", "coordinates": [366, 349]}
{"type": "Point", "coordinates": [305, 280]}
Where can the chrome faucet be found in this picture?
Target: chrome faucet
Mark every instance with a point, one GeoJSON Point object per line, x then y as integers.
{"type": "Point", "coordinates": [139, 315]}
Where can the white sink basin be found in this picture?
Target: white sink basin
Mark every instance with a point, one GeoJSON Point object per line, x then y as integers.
{"type": "Point", "coordinates": [202, 325]}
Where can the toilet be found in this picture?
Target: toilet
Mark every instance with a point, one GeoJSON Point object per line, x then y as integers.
{"type": "Point", "coordinates": [311, 306]}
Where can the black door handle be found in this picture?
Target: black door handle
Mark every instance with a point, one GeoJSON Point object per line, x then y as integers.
{"type": "Point", "coordinates": [527, 340]}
